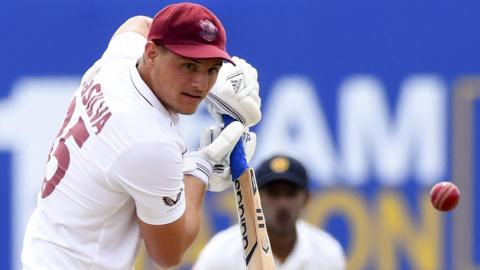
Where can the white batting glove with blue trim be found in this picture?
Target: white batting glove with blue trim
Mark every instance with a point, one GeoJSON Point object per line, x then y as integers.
{"type": "Point", "coordinates": [221, 178]}
{"type": "Point", "coordinates": [202, 162]}
{"type": "Point", "coordinates": [236, 93]}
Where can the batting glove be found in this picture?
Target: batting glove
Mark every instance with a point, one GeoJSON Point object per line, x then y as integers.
{"type": "Point", "coordinates": [201, 163]}
{"type": "Point", "coordinates": [236, 93]}
{"type": "Point", "coordinates": [221, 177]}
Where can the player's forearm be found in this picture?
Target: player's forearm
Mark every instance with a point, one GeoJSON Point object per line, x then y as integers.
{"type": "Point", "coordinates": [194, 195]}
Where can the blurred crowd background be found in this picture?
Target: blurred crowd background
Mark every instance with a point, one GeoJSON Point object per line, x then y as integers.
{"type": "Point", "coordinates": [378, 98]}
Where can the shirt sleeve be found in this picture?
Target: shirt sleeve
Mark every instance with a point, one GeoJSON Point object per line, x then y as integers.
{"type": "Point", "coordinates": [128, 45]}
{"type": "Point", "coordinates": [151, 173]}
{"type": "Point", "coordinates": [125, 46]}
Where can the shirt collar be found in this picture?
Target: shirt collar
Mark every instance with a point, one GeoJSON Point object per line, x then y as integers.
{"type": "Point", "coordinates": [146, 93]}
{"type": "Point", "coordinates": [301, 251]}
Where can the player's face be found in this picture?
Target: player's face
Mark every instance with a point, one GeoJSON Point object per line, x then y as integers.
{"type": "Point", "coordinates": [181, 83]}
{"type": "Point", "coordinates": [282, 204]}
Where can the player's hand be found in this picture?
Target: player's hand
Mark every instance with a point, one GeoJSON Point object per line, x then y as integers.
{"type": "Point", "coordinates": [201, 163]}
{"type": "Point", "coordinates": [236, 93]}
{"type": "Point", "coordinates": [221, 177]}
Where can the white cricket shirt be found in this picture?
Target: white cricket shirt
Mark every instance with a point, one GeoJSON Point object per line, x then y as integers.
{"type": "Point", "coordinates": [314, 249]}
{"type": "Point", "coordinates": [117, 155]}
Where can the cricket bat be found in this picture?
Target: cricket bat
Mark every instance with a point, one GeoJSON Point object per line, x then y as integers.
{"type": "Point", "coordinates": [256, 245]}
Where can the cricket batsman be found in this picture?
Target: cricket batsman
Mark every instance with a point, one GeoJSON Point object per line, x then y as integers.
{"type": "Point", "coordinates": [118, 170]}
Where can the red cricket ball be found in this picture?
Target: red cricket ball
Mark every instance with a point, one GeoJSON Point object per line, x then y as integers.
{"type": "Point", "coordinates": [444, 196]}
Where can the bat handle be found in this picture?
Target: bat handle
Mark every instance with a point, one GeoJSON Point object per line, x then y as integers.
{"type": "Point", "coordinates": [238, 162]}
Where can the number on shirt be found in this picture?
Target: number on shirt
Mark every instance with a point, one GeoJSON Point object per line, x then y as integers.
{"type": "Point", "coordinates": [79, 133]}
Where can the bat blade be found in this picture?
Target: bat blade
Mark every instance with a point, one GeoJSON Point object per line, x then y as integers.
{"type": "Point", "coordinates": [256, 245]}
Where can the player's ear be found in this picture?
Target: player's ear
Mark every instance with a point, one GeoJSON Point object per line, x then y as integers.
{"type": "Point", "coordinates": [150, 53]}
{"type": "Point", "coordinates": [307, 197]}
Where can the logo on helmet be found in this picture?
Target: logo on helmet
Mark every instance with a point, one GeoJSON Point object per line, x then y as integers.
{"type": "Point", "coordinates": [208, 30]}
{"type": "Point", "coordinates": [279, 165]}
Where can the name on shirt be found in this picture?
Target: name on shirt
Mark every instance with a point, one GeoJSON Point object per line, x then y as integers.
{"type": "Point", "coordinates": [94, 103]}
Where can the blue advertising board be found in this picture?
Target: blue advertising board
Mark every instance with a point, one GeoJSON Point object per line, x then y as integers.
{"type": "Point", "coordinates": [378, 99]}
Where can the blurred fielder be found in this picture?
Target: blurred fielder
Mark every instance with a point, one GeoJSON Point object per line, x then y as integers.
{"type": "Point", "coordinates": [296, 245]}
{"type": "Point", "coordinates": [119, 170]}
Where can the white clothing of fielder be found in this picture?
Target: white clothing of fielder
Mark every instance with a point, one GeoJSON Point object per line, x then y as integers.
{"type": "Point", "coordinates": [118, 155]}
{"type": "Point", "coordinates": [314, 249]}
